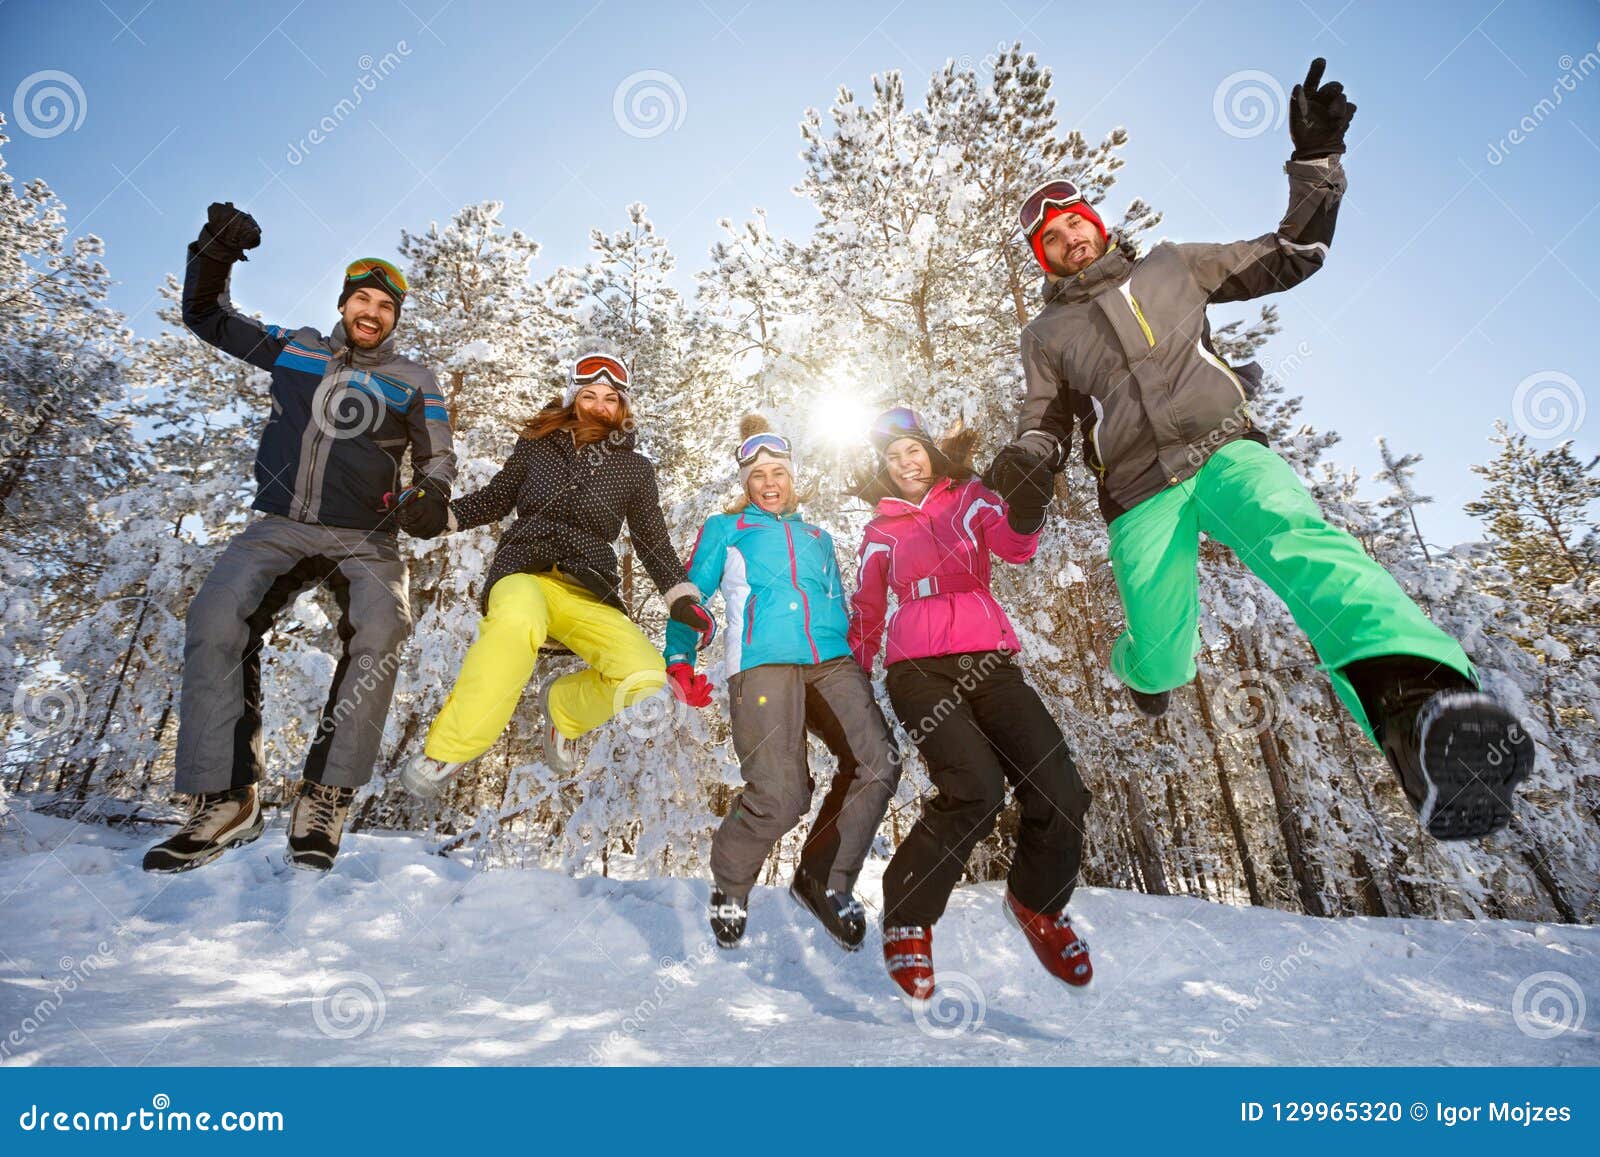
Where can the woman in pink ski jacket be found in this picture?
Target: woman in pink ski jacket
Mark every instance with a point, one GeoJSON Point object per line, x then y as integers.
{"type": "Point", "coordinates": [952, 680]}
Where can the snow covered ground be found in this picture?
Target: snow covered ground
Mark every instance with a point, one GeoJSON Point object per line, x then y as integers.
{"type": "Point", "coordinates": [399, 956]}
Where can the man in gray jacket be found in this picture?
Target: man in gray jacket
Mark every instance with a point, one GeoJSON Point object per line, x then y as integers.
{"type": "Point", "coordinates": [1122, 350]}
{"type": "Point", "coordinates": [345, 408]}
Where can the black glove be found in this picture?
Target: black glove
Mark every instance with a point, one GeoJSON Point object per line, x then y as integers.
{"type": "Point", "coordinates": [686, 610]}
{"type": "Point", "coordinates": [228, 232]}
{"type": "Point", "coordinates": [1319, 116]}
{"type": "Point", "coordinates": [1025, 482]}
{"type": "Point", "coordinates": [426, 515]}
{"type": "Point", "coordinates": [1015, 475]}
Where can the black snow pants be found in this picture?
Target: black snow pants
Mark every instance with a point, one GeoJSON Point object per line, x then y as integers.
{"type": "Point", "coordinates": [979, 726]}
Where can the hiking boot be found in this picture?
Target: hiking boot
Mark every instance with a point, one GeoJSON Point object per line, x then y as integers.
{"type": "Point", "coordinates": [316, 824]}
{"type": "Point", "coordinates": [217, 821]}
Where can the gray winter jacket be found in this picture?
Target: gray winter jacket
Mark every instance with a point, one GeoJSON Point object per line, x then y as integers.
{"type": "Point", "coordinates": [1123, 350]}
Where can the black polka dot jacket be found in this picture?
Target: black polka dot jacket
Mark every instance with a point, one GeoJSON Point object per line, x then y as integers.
{"type": "Point", "coordinates": [571, 502]}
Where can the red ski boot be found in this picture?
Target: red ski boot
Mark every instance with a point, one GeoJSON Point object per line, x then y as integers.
{"type": "Point", "coordinates": [908, 954]}
{"type": "Point", "coordinates": [1064, 955]}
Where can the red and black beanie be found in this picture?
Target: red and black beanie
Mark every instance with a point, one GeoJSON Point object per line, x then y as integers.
{"type": "Point", "coordinates": [1051, 212]}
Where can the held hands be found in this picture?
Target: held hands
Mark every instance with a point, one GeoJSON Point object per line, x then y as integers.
{"type": "Point", "coordinates": [1025, 482]}
{"type": "Point", "coordinates": [228, 232]}
{"type": "Point", "coordinates": [691, 688]}
{"type": "Point", "coordinates": [687, 611]}
{"type": "Point", "coordinates": [1319, 116]}
{"type": "Point", "coordinates": [427, 515]}
{"type": "Point", "coordinates": [419, 512]}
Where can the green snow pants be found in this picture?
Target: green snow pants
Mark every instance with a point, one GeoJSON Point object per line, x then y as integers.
{"type": "Point", "coordinates": [1251, 500]}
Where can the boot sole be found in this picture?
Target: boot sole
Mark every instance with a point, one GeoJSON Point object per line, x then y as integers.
{"type": "Point", "coordinates": [318, 865]}
{"type": "Point", "coordinates": [815, 915]}
{"type": "Point", "coordinates": [1474, 753]}
{"type": "Point", "coordinates": [201, 859]}
{"type": "Point", "coordinates": [1075, 989]}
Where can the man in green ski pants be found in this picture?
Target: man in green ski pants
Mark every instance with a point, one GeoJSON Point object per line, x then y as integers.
{"type": "Point", "coordinates": [1122, 350]}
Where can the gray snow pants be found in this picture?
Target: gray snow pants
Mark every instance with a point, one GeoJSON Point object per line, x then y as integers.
{"type": "Point", "coordinates": [768, 705]}
{"type": "Point", "coordinates": [258, 574]}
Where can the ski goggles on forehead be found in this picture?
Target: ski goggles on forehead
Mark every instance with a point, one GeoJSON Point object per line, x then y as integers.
{"type": "Point", "coordinates": [594, 368]}
{"type": "Point", "coordinates": [900, 422]}
{"type": "Point", "coordinates": [1059, 193]}
{"type": "Point", "coordinates": [775, 444]}
{"type": "Point", "coordinates": [379, 270]}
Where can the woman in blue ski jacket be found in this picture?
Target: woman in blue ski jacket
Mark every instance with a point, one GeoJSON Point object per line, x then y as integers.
{"type": "Point", "coordinates": [789, 667]}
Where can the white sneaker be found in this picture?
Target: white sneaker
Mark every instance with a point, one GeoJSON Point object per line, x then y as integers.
{"type": "Point", "coordinates": [426, 777]}
{"type": "Point", "coordinates": [560, 753]}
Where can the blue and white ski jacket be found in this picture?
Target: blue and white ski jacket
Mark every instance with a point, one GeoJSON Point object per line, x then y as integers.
{"type": "Point", "coordinates": [781, 591]}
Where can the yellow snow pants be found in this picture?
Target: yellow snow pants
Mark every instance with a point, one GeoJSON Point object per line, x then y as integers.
{"type": "Point", "coordinates": [525, 609]}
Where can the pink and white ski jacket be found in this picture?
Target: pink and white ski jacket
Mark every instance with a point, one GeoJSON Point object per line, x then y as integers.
{"type": "Point", "coordinates": [934, 555]}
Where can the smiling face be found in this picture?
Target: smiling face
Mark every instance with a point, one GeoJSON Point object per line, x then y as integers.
{"type": "Point", "coordinates": [771, 487]}
{"type": "Point", "coordinates": [1071, 244]}
{"type": "Point", "coordinates": [910, 469]}
{"type": "Point", "coordinates": [369, 317]}
{"type": "Point", "coordinates": [598, 403]}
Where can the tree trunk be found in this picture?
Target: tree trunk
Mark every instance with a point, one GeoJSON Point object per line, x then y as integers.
{"type": "Point", "coordinates": [1229, 808]}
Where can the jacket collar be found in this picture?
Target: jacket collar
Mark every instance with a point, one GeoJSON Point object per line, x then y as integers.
{"type": "Point", "coordinates": [339, 339]}
{"type": "Point", "coordinates": [754, 511]}
{"type": "Point", "coordinates": [892, 505]}
{"type": "Point", "coordinates": [1114, 265]}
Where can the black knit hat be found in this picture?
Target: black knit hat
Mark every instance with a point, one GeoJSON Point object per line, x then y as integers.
{"type": "Point", "coordinates": [374, 273]}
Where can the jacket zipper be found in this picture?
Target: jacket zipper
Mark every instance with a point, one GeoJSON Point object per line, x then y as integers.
{"type": "Point", "coordinates": [1138, 314]}
{"type": "Point", "coordinates": [314, 482]}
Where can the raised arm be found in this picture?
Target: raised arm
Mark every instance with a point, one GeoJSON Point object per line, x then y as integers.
{"type": "Point", "coordinates": [207, 311]}
{"type": "Point", "coordinates": [1319, 117]}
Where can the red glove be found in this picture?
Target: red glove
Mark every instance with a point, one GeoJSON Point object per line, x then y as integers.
{"type": "Point", "coordinates": [693, 689]}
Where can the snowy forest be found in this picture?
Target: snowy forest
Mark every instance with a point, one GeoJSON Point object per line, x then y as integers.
{"type": "Point", "coordinates": [125, 466]}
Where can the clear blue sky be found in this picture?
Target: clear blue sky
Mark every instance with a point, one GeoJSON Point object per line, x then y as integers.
{"type": "Point", "coordinates": [1453, 279]}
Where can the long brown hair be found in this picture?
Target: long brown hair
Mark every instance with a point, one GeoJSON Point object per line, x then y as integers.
{"type": "Point", "coordinates": [557, 415]}
{"type": "Point", "coordinates": [951, 458]}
